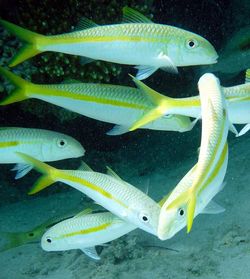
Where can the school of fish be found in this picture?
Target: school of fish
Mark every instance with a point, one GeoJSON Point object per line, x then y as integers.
{"type": "Point", "coordinates": [123, 207]}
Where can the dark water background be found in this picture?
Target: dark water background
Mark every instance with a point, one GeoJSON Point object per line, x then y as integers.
{"type": "Point", "coordinates": [145, 149]}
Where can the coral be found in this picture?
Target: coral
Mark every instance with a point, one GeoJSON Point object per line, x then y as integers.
{"type": "Point", "coordinates": [57, 67]}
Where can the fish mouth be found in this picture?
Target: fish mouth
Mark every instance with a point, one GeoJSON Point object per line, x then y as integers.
{"type": "Point", "coordinates": [162, 234]}
{"type": "Point", "coordinates": [214, 59]}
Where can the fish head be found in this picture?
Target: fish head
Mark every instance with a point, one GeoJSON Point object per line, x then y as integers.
{"type": "Point", "coordinates": [171, 221]}
{"type": "Point", "coordinates": [146, 218]}
{"type": "Point", "coordinates": [64, 147]}
{"type": "Point", "coordinates": [53, 240]}
{"type": "Point", "coordinates": [192, 49]}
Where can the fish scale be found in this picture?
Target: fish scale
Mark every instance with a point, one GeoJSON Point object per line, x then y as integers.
{"type": "Point", "coordinates": [121, 190]}
{"type": "Point", "coordinates": [109, 92]}
{"type": "Point", "coordinates": [109, 191]}
{"type": "Point", "coordinates": [42, 144]}
{"type": "Point", "coordinates": [140, 42]}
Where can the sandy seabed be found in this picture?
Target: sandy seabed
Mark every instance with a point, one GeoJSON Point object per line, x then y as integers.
{"type": "Point", "coordinates": [217, 247]}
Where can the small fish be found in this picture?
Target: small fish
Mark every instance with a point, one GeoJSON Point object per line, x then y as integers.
{"type": "Point", "coordinates": [85, 231]}
{"type": "Point", "coordinates": [194, 192]}
{"type": "Point", "coordinates": [108, 190]}
{"type": "Point", "coordinates": [120, 105]}
{"type": "Point", "coordinates": [237, 97]}
{"type": "Point", "coordinates": [138, 42]}
{"type": "Point", "coordinates": [42, 144]}
{"type": "Point", "coordinates": [16, 239]}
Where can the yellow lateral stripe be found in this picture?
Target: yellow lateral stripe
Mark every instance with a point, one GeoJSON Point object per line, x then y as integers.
{"type": "Point", "coordinates": [9, 144]}
{"type": "Point", "coordinates": [87, 231]}
{"type": "Point", "coordinates": [51, 93]}
{"type": "Point", "coordinates": [235, 98]}
{"type": "Point", "coordinates": [62, 39]}
{"type": "Point", "coordinates": [186, 102]}
{"type": "Point", "coordinates": [216, 169]}
{"type": "Point", "coordinates": [201, 180]}
{"type": "Point", "coordinates": [92, 186]}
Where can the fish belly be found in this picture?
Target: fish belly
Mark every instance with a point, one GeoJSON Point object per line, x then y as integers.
{"type": "Point", "coordinates": [8, 154]}
{"type": "Point", "coordinates": [130, 53]}
{"type": "Point", "coordinates": [239, 112]}
{"type": "Point", "coordinates": [103, 112]}
{"type": "Point", "coordinates": [108, 234]}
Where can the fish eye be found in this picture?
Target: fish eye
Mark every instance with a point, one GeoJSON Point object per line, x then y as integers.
{"type": "Point", "coordinates": [167, 116]}
{"type": "Point", "coordinates": [48, 239]}
{"type": "Point", "coordinates": [181, 211]}
{"type": "Point", "coordinates": [144, 218]}
{"type": "Point", "coordinates": [192, 43]}
{"type": "Point", "coordinates": [31, 234]}
{"type": "Point", "coordinates": [61, 143]}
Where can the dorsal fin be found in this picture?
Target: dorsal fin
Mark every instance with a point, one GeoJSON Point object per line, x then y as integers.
{"type": "Point", "coordinates": [84, 212]}
{"type": "Point", "coordinates": [132, 16]}
{"type": "Point", "coordinates": [112, 173]}
{"type": "Point", "coordinates": [247, 76]}
{"type": "Point", "coordinates": [84, 23]}
{"type": "Point", "coordinates": [84, 167]}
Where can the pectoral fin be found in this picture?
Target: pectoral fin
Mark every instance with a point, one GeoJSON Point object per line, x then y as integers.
{"type": "Point", "coordinates": [118, 130]}
{"type": "Point", "coordinates": [213, 208]}
{"type": "Point", "coordinates": [22, 170]}
{"type": "Point", "coordinates": [144, 71]}
{"type": "Point", "coordinates": [169, 64]}
{"type": "Point", "coordinates": [91, 252]}
{"type": "Point", "coordinates": [233, 129]}
{"type": "Point", "coordinates": [245, 129]}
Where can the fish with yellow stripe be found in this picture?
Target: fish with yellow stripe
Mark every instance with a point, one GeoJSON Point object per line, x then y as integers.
{"type": "Point", "coordinates": [42, 144]}
{"type": "Point", "coordinates": [108, 190]}
{"type": "Point", "coordinates": [237, 98]}
{"type": "Point", "coordinates": [85, 231]}
{"type": "Point", "coordinates": [194, 192]}
{"type": "Point", "coordinates": [139, 42]}
{"type": "Point", "coordinates": [120, 105]}
{"type": "Point", "coordinates": [13, 239]}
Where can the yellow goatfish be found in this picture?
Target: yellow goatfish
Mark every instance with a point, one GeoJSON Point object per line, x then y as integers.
{"type": "Point", "coordinates": [108, 190]}
{"type": "Point", "coordinates": [16, 239]}
{"type": "Point", "coordinates": [139, 42]}
{"type": "Point", "coordinates": [237, 97]}
{"type": "Point", "coordinates": [121, 105]}
{"type": "Point", "coordinates": [84, 232]}
{"type": "Point", "coordinates": [42, 144]}
{"type": "Point", "coordinates": [204, 180]}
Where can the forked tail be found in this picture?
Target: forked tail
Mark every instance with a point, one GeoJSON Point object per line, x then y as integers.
{"type": "Point", "coordinates": [29, 38]}
{"type": "Point", "coordinates": [20, 91]}
{"type": "Point", "coordinates": [49, 176]}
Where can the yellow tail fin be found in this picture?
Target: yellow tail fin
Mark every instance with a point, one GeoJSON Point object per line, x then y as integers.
{"type": "Point", "coordinates": [49, 176]}
{"type": "Point", "coordinates": [19, 93]}
{"type": "Point", "coordinates": [160, 105]}
{"type": "Point", "coordinates": [29, 38]}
